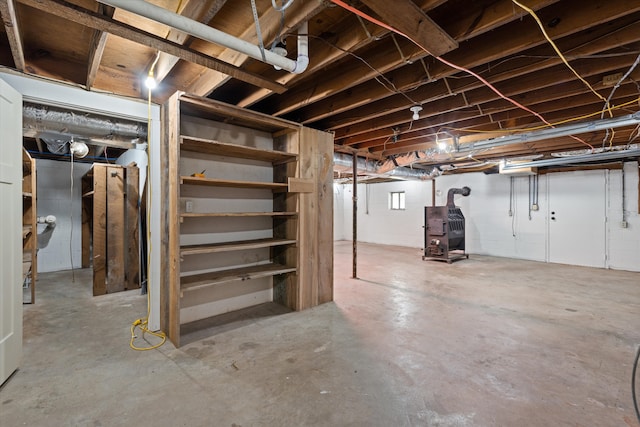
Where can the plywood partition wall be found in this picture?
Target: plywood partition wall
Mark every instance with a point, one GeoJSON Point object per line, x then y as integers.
{"type": "Point", "coordinates": [248, 213]}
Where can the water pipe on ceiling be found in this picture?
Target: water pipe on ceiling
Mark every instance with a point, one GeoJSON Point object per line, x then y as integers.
{"type": "Point", "coordinates": [205, 32]}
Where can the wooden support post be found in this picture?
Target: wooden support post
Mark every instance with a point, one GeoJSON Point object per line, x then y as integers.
{"type": "Point", "coordinates": [355, 216]}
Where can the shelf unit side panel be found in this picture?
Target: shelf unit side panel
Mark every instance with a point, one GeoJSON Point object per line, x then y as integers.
{"type": "Point", "coordinates": [308, 255]}
{"type": "Point", "coordinates": [170, 280]}
{"type": "Point", "coordinates": [322, 143]}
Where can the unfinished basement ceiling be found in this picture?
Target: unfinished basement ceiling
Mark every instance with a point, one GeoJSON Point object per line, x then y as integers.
{"type": "Point", "coordinates": [362, 78]}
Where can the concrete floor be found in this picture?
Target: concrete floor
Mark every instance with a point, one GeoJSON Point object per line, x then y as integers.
{"type": "Point", "coordinates": [481, 342]}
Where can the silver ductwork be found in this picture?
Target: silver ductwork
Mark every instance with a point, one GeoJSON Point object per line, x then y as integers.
{"type": "Point", "coordinates": [344, 163]}
{"type": "Point", "coordinates": [56, 123]}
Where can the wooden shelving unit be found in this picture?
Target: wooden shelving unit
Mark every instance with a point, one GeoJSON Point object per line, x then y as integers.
{"type": "Point", "coordinates": [249, 212]}
{"type": "Point", "coordinates": [29, 227]}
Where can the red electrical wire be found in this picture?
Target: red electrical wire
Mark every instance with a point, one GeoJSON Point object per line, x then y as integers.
{"type": "Point", "coordinates": [444, 61]}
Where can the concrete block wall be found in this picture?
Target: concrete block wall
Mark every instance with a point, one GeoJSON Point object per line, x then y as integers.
{"type": "Point", "coordinates": [54, 198]}
{"type": "Point", "coordinates": [490, 228]}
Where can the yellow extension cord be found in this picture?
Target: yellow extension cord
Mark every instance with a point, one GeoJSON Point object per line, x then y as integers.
{"type": "Point", "coordinates": [143, 323]}
{"type": "Point", "coordinates": [551, 42]}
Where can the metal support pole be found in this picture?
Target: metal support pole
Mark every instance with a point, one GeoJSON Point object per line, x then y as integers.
{"type": "Point", "coordinates": [355, 216]}
{"type": "Point", "coordinates": [433, 192]}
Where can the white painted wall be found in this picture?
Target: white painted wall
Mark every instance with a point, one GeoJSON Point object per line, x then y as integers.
{"type": "Point", "coordinates": [54, 198]}
{"type": "Point", "coordinates": [624, 243]}
{"type": "Point", "coordinates": [490, 229]}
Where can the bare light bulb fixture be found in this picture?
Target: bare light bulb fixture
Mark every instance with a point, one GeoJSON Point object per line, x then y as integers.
{"type": "Point", "coordinates": [78, 149]}
{"type": "Point", "coordinates": [150, 82]}
{"type": "Point", "coordinates": [415, 110]}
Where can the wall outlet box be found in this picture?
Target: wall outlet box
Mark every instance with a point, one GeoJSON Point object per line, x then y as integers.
{"type": "Point", "coordinates": [624, 224]}
{"type": "Point", "coordinates": [188, 206]}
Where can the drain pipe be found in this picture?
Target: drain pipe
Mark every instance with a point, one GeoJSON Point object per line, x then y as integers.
{"type": "Point", "coordinates": [205, 32]}
{"type": "Point", "coordinates": [369, 167]}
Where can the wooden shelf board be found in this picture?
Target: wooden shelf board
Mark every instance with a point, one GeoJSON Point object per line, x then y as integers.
{"type": "Point", "coordinates": [215, 110]}
{"type": "Point", "coordinates": [27, 195]}
{"type": "Point", "coordinates": [199, 281]}
{"type": "Point", "coordinates": [209, 146]}
{"type": "Point", "coordinates": [192, 180]}
{"type": "Point", "coordinates": [233, 246]}
{"type": "Point", "coordinates": [235, 214]}
{"type": "Point", "coordinates": [89, 193]}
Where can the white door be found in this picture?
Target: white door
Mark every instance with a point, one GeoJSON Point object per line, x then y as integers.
{"type": "Point", "coordinates": [577, 218]}
{"type": "Point", "coordinates": [10, 230]}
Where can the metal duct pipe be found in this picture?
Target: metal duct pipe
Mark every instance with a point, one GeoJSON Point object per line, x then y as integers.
{"type": "Point", "coordinates": [212, 35]}
{"type": "Point", "coordinates": [581, 158]}
{"type": "Point", "coordinates": [465, 191]}
{"type": "Point", "coordinates": [372, 168]}
{"type": "Point", "coordinates": [46, 118]}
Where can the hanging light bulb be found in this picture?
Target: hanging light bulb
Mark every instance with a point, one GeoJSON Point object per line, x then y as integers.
{"type": "Point", "coordinates": [150, 82]}
{"type": "Point", "coordinates": [415, 110]}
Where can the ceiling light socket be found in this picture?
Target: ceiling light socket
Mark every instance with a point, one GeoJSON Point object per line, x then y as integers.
{"type": "Point", "coordinates": [416, 110]}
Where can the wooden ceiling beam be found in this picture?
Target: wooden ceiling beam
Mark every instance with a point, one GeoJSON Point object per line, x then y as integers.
{"type": "Point", "coordinates": [96, 50]}
{"type": "Point", "coordinates": [339, 79]}
{"type": "Point", "coordinates": [406, 17]}
{"type": "Point", "coordinates": [198, 10]}
{"type": "Point", "coordinates": [348, 35]}
{"type": "Point", "coordinates": [96, 21]}
{"type": "Point", "coordinates": [393, 111]}
{"type": "Point", "coordinates": [10, 21]}
{"type": "Point", "coordinates": [509, 39]}
{"type": "Point", "coordinates": [514, 150]}
{"type": "Point", "coordinates": [489, 131]}
{"type": "Point", "coordinates": [466, 129]}
{"type": "Point", "coordinates": [528, 94]}
{"type": "Point", "coordinates": [497, 112]}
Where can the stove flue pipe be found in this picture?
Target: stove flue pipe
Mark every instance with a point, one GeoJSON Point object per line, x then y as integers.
{"type": "Point", "coordinates": [465, 191]}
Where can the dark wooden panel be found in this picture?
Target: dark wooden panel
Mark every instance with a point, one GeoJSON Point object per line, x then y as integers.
{"type": "Point", "coordinates": [115, 229]}
{"type": "Point", "coordinates": [99, 229]}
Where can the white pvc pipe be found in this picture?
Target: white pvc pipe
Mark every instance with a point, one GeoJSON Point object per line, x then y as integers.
{"type": "Point", "coordinates": [205, 32]}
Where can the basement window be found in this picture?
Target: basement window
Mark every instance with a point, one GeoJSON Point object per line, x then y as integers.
{"type": "Point", "coordinates": [396, 199]}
